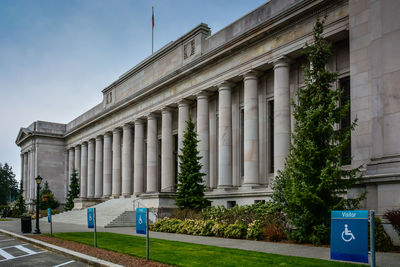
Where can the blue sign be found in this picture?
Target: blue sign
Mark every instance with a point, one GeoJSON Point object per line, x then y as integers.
{"type": "Point", "coordinates": [349, 235]}
{"type": "Point", "coordinates": [48, 214]}
{"type": "Point", "coordinates": [141, 214]}
{"type": "Point", "coordinates": [90, 217]}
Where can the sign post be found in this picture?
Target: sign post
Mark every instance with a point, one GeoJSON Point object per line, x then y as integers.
{"type": "Point", "coordinates": [91, 217]}
{"type": "Point", "coordinates": [49, 219]}
{"type": "Point", "coordinates": [142, 225]}
{"type": "Point", "coordinates": [349, 235]}
{"type": "Point", "coordinates": [372, 233]}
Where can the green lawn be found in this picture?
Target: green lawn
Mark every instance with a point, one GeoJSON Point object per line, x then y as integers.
{"type": "Point", "coordinates": [188, 254]}
{"type": "Point", "coordinates": [4, 220]}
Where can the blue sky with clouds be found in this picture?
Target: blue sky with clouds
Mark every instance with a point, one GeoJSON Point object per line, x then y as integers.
{"type": "Point", "coordinates": [56, 56]}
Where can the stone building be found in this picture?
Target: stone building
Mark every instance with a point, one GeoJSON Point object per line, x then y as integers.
{"type": "Point", "coordinates": [236, 85]}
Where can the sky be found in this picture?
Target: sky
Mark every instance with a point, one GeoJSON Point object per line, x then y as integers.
{"type": "Point", "coordinates": [57, 55]}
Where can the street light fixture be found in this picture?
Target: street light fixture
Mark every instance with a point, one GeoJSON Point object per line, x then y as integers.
{"type": "Point", "coordinates": [38, 182]}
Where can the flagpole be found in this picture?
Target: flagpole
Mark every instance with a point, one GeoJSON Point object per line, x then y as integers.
{"type": "Point", "coordinates": [152, 30]}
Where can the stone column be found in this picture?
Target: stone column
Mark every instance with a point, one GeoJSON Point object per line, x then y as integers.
{"type": "Point", "coordinates": [84, 169]}
{"type": "Point", "coordinates": [71, 164]}
{"type": "Point", "coordinates": [281, 113]}
{"type": "Point", "coordinates": [251, 153]}
{"type": "Point", "coordinates": [77, 161]}
{"type": "Point", "coordinates": [138, 170]}
{"type": "Point", "coordinates": [31, 175]}
{"type": "Point", "coordinates": [127, 161]}
{"type": "Point", "coordinates": [107, 170]}
{"type": "Point", "coordinates": [167, 153]}
{"type": "Point", "coordinates": [22, 174]}
{"type": "Point", "coordinates": [183, 117]}
{"type": "Point", "coordinates": [98, 177]}
{"type": "Point", "coordinates": [26, 176]}
{"type": "Point", "coordinates": [203, 133]}
{"type": "Point", "coordinates": [116, 163]}
{"type": "Point", "coordinates": [225, 135]}
{"type": "Point", "coordinates": [91, 168]}
{"type": "Point", "coordinates": [152, 142]}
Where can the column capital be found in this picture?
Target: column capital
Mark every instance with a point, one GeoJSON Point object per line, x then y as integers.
{"type": "Point", "coordinates": [251, 74]}
{"type": "Point", "coordinates": [116, 130]}
{"type": "Point", "coordinates": [107, 134]}
{"type": "Point", "coordinates": [99, 137]}
{"type": "Point", "coordinates": [84, 144]}
{"type": "Point", "coordinates": [127, 126]}
{"type": "Point", "coordinates": [281, 62]}
{"type": "Point", "coordinates": [166, 109]}
{"type": "Point", "coordinates": [183, 103]}
{"type": "Point", "coordinates": [225, 85]}
{"type": "Point", "coordinates": [139, 121]}
{"type": "Point", "coordinates": [91, 141]}
{"type": "Point", "coordinates": [152, 116]}
{"type": "Point", "coordinates": [203, 95]}
{"type": "Point", "coordinates": [78, 147]}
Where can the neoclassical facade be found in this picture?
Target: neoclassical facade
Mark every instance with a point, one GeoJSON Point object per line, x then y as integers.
{"type": "Point", "coordinates": [236, 85]}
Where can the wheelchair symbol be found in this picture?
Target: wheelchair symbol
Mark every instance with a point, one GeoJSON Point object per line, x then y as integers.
{"type": "Point", "coordinates": [347, 235]}
{"type": "Point", "coordinates": [140, 219]}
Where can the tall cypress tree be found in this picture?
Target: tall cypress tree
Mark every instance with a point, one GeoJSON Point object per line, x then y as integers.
{"type": "Point", "coordinates": [190, 189]}
{"type": "Point", "coordinates": [73, 191]}
{"type": "Point", "coordinates": [313, 180]}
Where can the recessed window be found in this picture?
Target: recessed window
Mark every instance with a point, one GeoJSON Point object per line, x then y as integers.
{"type": "Point", "coordinates": [344, 85]}
{"type": "Point", "coordinates": [270, 137]}
{"type": "Point", "coordinates": [230, 204]}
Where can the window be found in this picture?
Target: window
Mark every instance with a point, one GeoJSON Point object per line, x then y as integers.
{"type": "Point", "coordinates": [270, 143]}
{"type": "Point", "coordinates": [176, 157]}
{"type": "Point", "coordinates": [258, 201]}
{"type": "Point", "coordinates": [230, 204]}
{"type": "Point", "coordinates": [344, 85]}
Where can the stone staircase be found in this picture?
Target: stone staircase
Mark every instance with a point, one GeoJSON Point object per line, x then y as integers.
{"type": "Point", "coordinates": [119, 212]}
{"type": "Point", "coordinates": [126, 219]}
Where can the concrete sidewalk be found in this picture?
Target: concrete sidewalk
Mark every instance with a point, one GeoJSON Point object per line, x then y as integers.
{"type": "Point", "coordinates": [382, 259]}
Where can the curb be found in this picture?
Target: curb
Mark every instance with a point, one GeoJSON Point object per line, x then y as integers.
{"type": "Point", "coordinates": [66, 252]}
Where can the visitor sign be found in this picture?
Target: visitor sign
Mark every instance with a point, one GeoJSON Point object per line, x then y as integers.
{"type": "Point", "coordinates": [142, 226]}
{"type": "Point", "coordinates": [349, 235]}
{"type": "Point", "coordinates": [90, 217]}
{"type": "Point", "coordinates": [49, 215]}
{"type": "Point", "coordinates": [141, 215]}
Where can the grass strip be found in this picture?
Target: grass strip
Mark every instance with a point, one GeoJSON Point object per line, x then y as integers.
{"type": "Point", "coordinates": [189, 254]}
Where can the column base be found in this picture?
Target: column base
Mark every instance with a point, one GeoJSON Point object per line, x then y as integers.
{"type": "Point", "coordinates": [170, 189]}
{"type": "Point", "coordinates": [115, 196]}
{"type": "Point", "coordinates": [124, 195]}
{"type": "Point", "coordinates": [83, 203]}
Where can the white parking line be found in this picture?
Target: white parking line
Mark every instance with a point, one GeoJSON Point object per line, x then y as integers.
{"type": "Point", "coordinates": [24, 249]}
{"type": "Point", "coordinates": [62, 264]}
{"type": "Point", "coordinates": [6, 255]}
{"type": "Point", "coordinates": [4, 240]}
{"type": "Point", "coordinates": [13, 246]}
{"type": "Point", "coordinates": [23, 256]}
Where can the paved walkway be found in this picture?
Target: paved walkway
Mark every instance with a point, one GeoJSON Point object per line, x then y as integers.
{"type": "Point", "coordinates": [382, 259]}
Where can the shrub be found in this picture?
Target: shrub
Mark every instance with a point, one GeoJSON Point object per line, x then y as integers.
{"type": "Point", "coordinates": [183, 214]}
{"type": "Point", "coordinates": [255, 230]}
{"type": "Point", "coordinates": [236, 230]}
{"type": "Point", "coordinates": [393, 216]}
{"type": "Point", "coordinates": [273, 231]}
{"type": "Point", "coordinates": [187, 227]}
{"type": "Point", "coordinates": [218, 229]}
{"type": "Point", "coordinates": [168, 225]}
{"type": "Point", "coordinates": [207, 228]}
{"type": "Point", "coordinates": [383, 242]}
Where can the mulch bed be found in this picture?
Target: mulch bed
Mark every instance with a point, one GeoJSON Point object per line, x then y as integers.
{"type": "Point", "coordinates": [115, 257]}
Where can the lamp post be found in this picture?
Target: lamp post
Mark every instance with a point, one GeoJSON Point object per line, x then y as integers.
{"type": "Point", "coordinates": [38, 181]}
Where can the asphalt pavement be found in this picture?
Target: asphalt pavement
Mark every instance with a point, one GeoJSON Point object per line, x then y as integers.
{"type": "Point", "coordinates": [14, 252]}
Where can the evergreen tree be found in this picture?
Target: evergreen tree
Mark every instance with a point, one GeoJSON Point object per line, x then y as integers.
{"type": "Point", "coordinates": [73, 191]}
{"type": "Point", "coordinates": [8, 184]}
{"type": "Point", "coordinates": [313, 180]}
{"type": "Point", "coordinates": [47, 198]}
{"type": "Point", "coordinates": [190, 188]}
{"type": "Point", "coordinates": [20, 207]}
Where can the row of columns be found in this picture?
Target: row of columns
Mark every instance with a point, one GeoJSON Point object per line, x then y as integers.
{"type": "Point", "coordinates": [105, 168]}
{"type": "Point", "coordinates": [28, 175]}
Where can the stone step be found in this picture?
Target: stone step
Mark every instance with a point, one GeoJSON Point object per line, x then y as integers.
{"type": "Point", "coordinates": [126, 219]}
{"type": "Point", "coordinates": [106, 212]}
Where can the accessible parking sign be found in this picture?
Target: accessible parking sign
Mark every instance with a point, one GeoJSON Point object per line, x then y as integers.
{"type": "Point", "coordinates": [349, 235]}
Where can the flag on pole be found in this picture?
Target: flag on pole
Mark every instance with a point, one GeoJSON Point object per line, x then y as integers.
{"type": "Point", "coordinates": [152, 17]}
{"type": "Point", "coordinates": [152, 29]}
